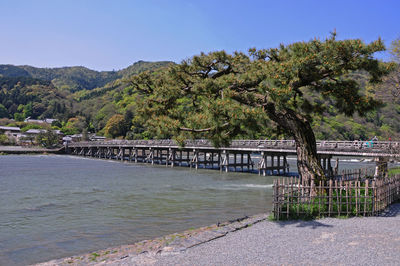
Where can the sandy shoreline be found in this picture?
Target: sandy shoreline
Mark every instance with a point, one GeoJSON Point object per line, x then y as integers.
{"type": "Point", "coordinates": [170, 244]}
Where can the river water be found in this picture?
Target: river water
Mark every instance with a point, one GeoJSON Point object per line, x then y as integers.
{"type": "Point", "coordinates": [57, 206]}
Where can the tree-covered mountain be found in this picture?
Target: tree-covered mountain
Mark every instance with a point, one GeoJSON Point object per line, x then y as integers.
{"type": "Point", "coordinates": [78, 77]}
{"type": "Point", "coordinates": [22, 97]}
{"type": "Point", "coordinates": [27, 91]}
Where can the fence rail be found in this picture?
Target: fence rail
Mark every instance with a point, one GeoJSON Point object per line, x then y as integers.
{"type": "Point", "coordinates": [296, 199]}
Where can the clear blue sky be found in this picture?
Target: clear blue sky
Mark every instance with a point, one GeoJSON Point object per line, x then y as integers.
{"type": "Point", "coordinates": [112, 34]}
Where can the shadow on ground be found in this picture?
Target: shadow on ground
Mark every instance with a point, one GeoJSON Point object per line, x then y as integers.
{"type": "Point", "coordinates": [392, 211]}
{"type": "Point", "coordinates": [301, 223]}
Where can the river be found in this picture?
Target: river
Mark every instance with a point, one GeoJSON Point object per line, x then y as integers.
{"type": "Point", "coordinates": [55, 206]}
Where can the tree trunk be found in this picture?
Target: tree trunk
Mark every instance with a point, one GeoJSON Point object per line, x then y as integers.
{"type": "Point", "coordinates": [308, 164]}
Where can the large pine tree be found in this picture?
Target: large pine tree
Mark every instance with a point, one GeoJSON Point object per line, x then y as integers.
{"type": "Point", "coordinates": [220, 96]}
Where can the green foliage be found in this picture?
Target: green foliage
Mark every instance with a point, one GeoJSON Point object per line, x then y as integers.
{"type": "Point", "coordinates": [19, 117]}
{"type": "Point", "coordinates": [31, 126]}
{"type": "Point", "coordinates": [221, 96]}
{"type": "Point", "coordinates": [4, 139]}
{"type": "Point", "coordinates": [32, 98]}
{"type": "Point", "coordinates": [3, 111]}
{"type": "Point", "coordinates": [75, 125]}
{"type": "Point", "coordinates": [116, 126]}
{"type": "Point", "coordinates": [47, 139]}
{"type": "Point", "coordinates": [97, 96]}
{"type": "Point", "coordinates": [394, 171]}
{"type": "Point", "coordinates": [76, 78]}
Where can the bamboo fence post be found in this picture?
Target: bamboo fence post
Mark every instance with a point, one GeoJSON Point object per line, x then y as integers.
{"type": "Point", "coordinates": [337, 197]}
{"type": "Point", "coordinates": [302, 195]}
{"type": "Point", "coordinates": [356, 194]}
{"type": "Point", "coordinates": [275, 201]}
{"type": "Point", "coordinates": [278, 199]}
{"type": "Point", "coordinates": [350, 194]}
{"type": "Point", "coordinates": [359, 196]}
{"type": "Point", "coordinates": [373, 197]}
{"type": "Point", "coordinates": [340, 197]}
{"type": "Point", "coordinates": [274, 197]}
{"type": "Point", "coordinates": [319, 199]}
{"type": "Point", "coordinates": [291, 192]}
{"type": "Point", "coordinates": [330, 198]}
{"type": "Point", "coordinates": [311, 201]}
{"type": "Point", "coordinates": [286, 196]}
{"type": "Point", "coordinates": [365, 197]}
{"type": "Point", "coordinates": [283, 194]}
{"type": "Point", "coordinates": [298, 198]}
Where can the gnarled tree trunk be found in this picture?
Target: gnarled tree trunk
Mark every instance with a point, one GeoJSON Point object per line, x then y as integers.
{"type": "Point", "coordinates": [308, 164]}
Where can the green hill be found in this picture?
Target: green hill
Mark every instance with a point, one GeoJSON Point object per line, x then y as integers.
{"type": "Point", "coordinates": [57, 92]}
{"type": "Point", "coordinates": [77, 78]}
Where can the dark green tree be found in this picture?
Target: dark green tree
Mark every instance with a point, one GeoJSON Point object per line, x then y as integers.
{"type": "Point", "coordinates": [3, 111]}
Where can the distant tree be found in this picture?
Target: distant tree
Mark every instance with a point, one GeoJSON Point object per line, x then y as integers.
{"type": "Point", "coordinates": [3, 111]}
{"type": "Point", "coordinates": [19, 117]}
{"type": "Point", "coordinates": [75, 125]}
{"type": "Point", "coordinates": [47, 139]}
{"type": "Point", "coordinates": [116, 126]}
{"type": "Point", "coordinates": [392, 81]}
{"type": "Point", "coordinates": [56, 123]}
{"type": "Point", "coordinates": [4, 139]}
{"type": "Point", "coordinates": [221, 96]}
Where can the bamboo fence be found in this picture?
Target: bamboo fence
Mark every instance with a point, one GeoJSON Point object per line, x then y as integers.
{"type": "Point", "coordinates": [296, 199]}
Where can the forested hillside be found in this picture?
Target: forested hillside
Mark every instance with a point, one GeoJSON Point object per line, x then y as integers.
{"type": "Point", "coordinates": [106, 103]}
{"type": "Point", "coordinates": [27, 91]}
{"type": "Point", "coordinates": [22, 97]}
{"type": "Point", "coordinates": [76, 78]}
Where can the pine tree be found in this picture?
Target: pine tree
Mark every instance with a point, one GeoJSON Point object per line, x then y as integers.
{"type": "Point", "coordinates": [221, 96]}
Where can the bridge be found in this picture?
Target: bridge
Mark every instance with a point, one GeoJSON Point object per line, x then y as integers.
{"type": "Point", "coordinates": [267, 156]}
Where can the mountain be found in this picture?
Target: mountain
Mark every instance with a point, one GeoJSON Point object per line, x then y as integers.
{"type": "Point", "coordinates": [77, 78]}
{"type": "Point", "coordinates": [58, 92]}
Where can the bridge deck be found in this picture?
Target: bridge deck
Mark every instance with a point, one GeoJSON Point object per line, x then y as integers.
{"type": "Point", "coordinates": [335, 148]}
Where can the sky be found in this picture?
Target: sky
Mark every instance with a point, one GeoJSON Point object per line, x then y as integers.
{"type": "Point", "coordinates": [113, 34]}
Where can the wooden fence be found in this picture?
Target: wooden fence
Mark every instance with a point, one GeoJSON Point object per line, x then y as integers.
{"type": "Point", "coordinates": [296, 199]}
{"type": "Point", "coordinates": [353, 174]}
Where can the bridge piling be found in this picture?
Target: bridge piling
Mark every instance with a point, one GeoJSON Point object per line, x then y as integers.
{"type": "Point", "coordinates": [237, 157]}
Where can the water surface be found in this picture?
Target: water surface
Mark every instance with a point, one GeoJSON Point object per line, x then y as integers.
{"type": "Point", "coordinates": [56, 206]}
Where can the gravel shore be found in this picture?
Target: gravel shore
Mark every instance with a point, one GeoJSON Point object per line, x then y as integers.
{"type": "Point", "coordinates": [257, 241]}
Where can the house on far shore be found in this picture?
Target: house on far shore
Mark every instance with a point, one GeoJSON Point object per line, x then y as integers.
{"type": "Point", "coordinates": [32, 133]}
{"type": "Point", "coordinates": [47, 120]}
{"type": "Point", "coordinates": [97, 138]}
{"type": "Point", "coordinates": [10, 132]}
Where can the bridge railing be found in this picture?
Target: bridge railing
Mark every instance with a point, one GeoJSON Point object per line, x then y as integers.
{"type": "Point", "coordinates": [322, 144]}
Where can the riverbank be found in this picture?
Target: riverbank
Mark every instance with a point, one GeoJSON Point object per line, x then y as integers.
{"type": "Point", "coordinates": [257, 241]}
{"type": "Point", "coordinates": [170, 244]}
{"type": "Point", "coordinates": [29, 150]}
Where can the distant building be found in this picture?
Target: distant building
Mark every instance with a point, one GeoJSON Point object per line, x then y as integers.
{"type": "Point", "coordinates": [10, 132]}
{"type": "Point", "coordinates": [9, 129]}
{"type": "Point", "coordinates": [97, 138]}
{"type": "Point", "coordinates": [47, 120]}
{"type": "Point", "coordinates": [76, 137]}
{"type": "Point", "coordinates": [35, 132]}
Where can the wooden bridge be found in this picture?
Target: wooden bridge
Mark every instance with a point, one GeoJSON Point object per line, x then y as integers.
{"type": "Point", "coordinates": [265, 156]}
